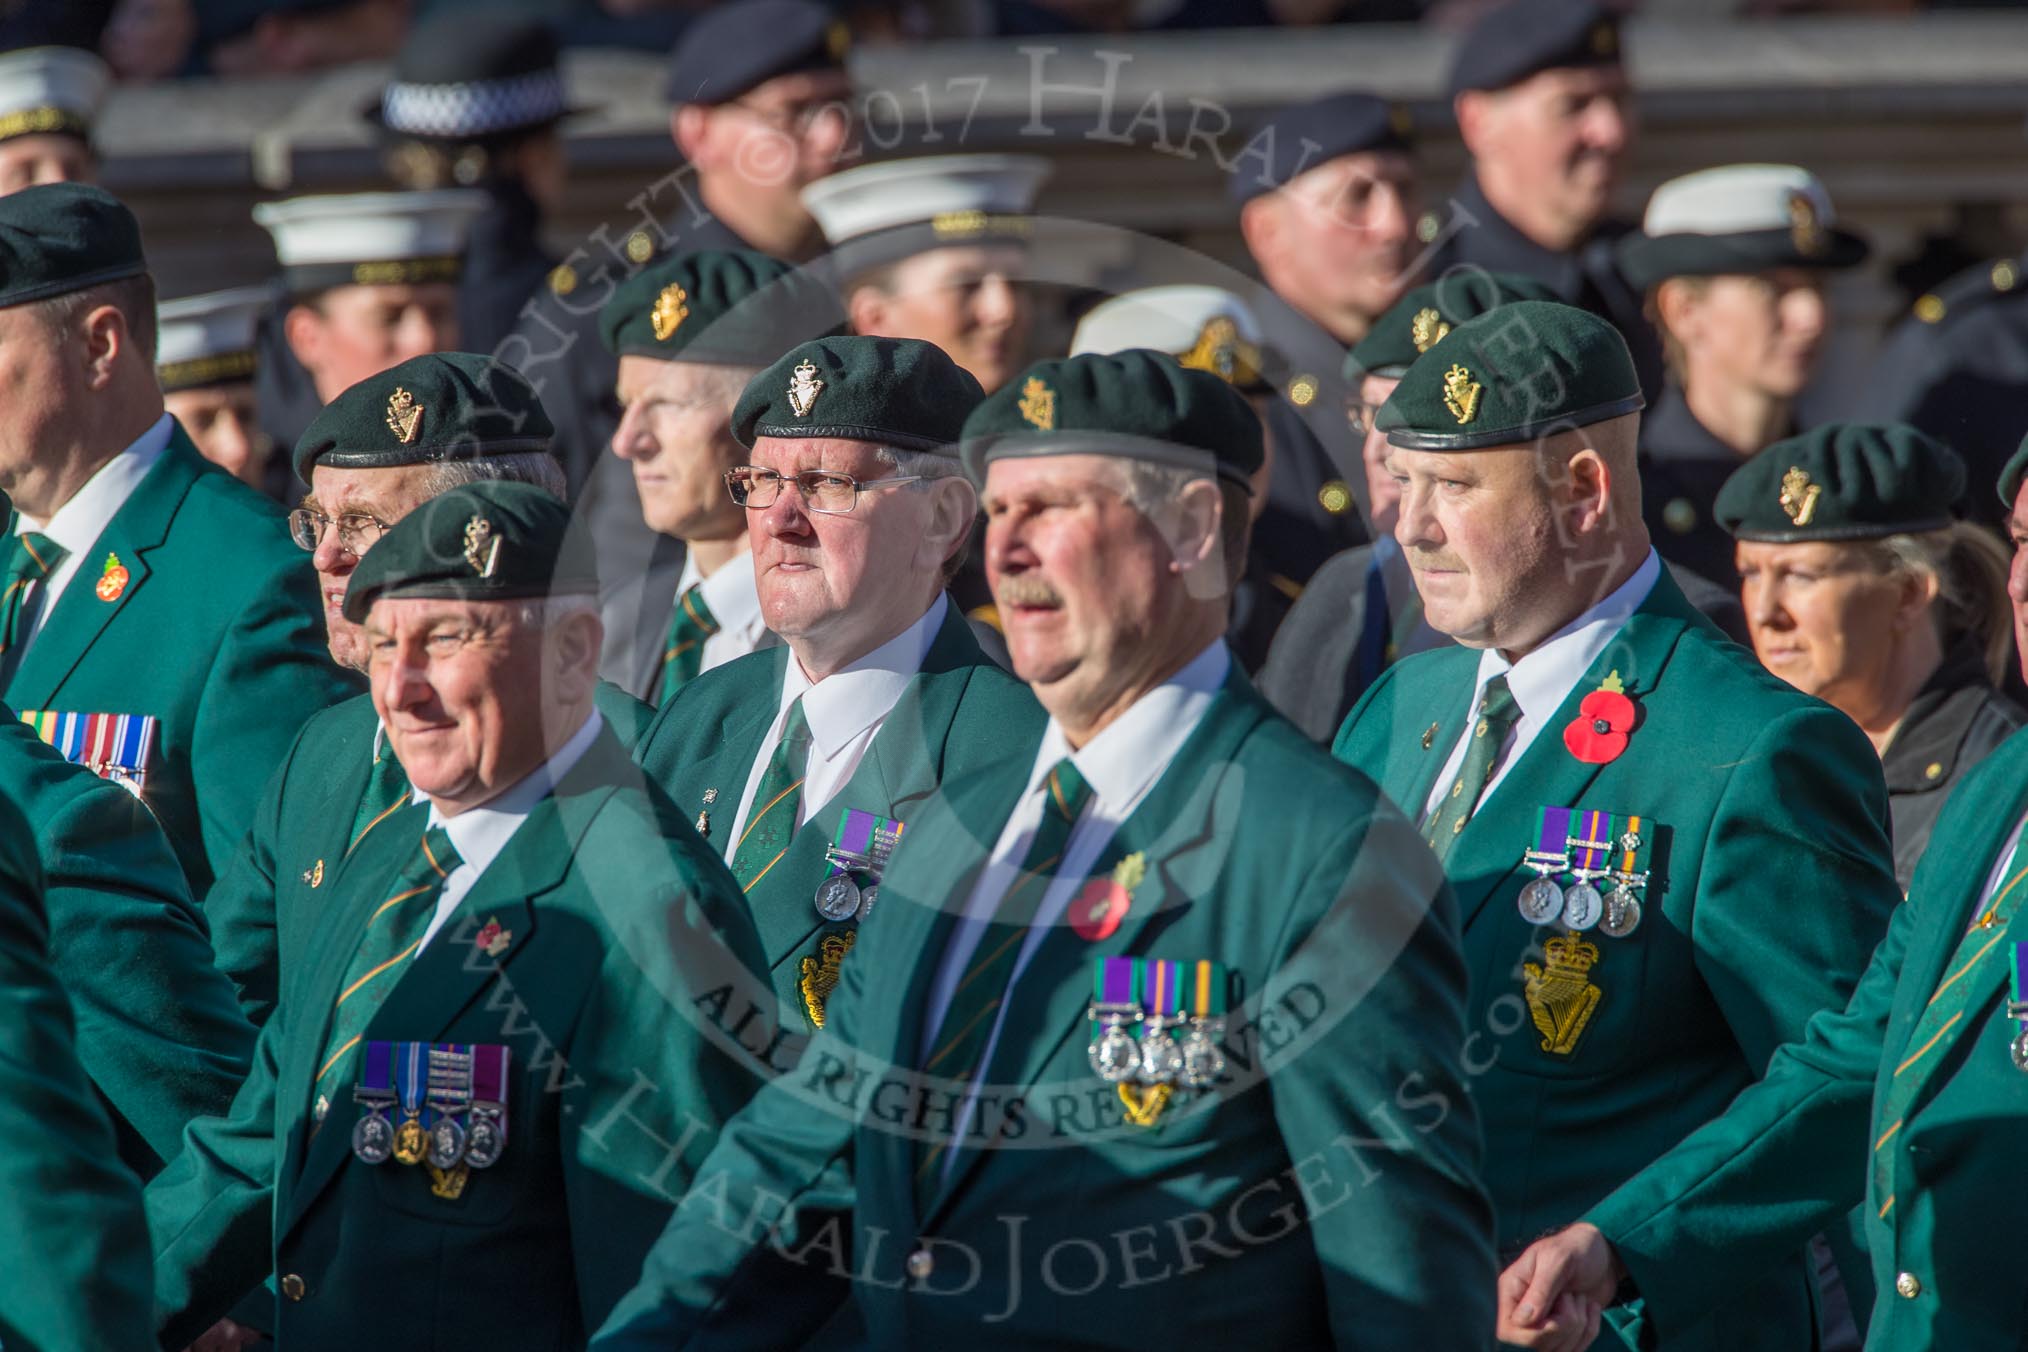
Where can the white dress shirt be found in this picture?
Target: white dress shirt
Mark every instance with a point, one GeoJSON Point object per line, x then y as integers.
{"type": "Point", "coordinates": [1121, 765]}
{"type": "Point", "coordinates": [1543, 680]}
{"type": "Point", "coordinates": [78, 524]}
{"type": "Point", "coordinates": [733, 596]}
{"type": "Point", "coordinates": [480, 833]}
{"type": "Point", "coordinates": [845, 711]}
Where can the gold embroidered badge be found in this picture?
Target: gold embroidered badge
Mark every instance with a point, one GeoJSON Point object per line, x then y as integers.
{"type": "Point", "coordinates": [1427, 329]}
{"type": "Point", "coordinates": [1561, 996]}
{"type": "Point", "coordinates": [1804, 230]}
{"type": "Point", "coordinates": [449, 1184]}
{"type": "Point", "coordinates": [669, 312]}
{"type": "Point", "coordinates": [804, 387]}
{"type": "Point", "coordinates": [404, 415]}
{"type": "Point", "coordinates": [1219, 350]}
{"type": "Point", "coordinates": [1461, 394]}
{"type": "Point", "coordinates": [820, 973]}
{"type": "Point", "coordinates": [1145, 1102]}
{"type": "Point", "coordinates": [1799, 496]}
{"type": "Point", "coordinates": [482, 550]}
{"type": "Point", "coordinates": [1038, 405]}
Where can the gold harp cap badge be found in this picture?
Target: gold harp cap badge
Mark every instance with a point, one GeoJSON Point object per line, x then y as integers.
{"type": "Point", "coordinates": [404, 415]}
{"type": "Point", "coordinates": [1461, 394]}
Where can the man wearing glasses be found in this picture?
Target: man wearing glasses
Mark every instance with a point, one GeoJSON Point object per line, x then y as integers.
{"type": "Point", "coordinates": [804, 763]}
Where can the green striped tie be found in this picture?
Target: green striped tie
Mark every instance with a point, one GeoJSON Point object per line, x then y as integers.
{"type": "Point", "coordinates": [968, 1022]}
{"type": "Point", "coordinates": [683, 652]}
{"type": "Point", "coordinates": [1497, 715]}
{"type": "Point", "coordinates": [392, 934]}
{"type": "Point", "coordinates": [1980, 946]}
{"type": "Point", "coordinates": [31, 559]}
{"type": "Point", "coordinates": [386, 789]}
{"type": "Point", "coordinates": [776, 804]}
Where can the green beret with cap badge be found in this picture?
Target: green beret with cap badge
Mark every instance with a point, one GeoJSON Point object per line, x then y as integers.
{"type": "Point", "coordinates": [439, 406]}
{"type": "Point", "coordinates": [898, 392]}
{"type": "Point", "coordinates": [1843, 481]}
{"type": "Point", "coordinates": [2012, 473]}
{"type": "Point", "coordinates": [1425, 315]}
{"type": "Point", "coordinates": [490, 541]}
{"type": "Point", "coordinates": [1515, 373]}
{"type": "Point", "coordinates": [1137, 405]}
{"type": "Point", "coordinates": [730, 306]}
{"type": "Point", "coordinates": [57, 238]}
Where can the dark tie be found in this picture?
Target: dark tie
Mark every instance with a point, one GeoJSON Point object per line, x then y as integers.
{"type": "Point", "coordinates": [1497, 715]}
{"type": "Point", "coordinates": [775, 804]}
{"type": "Point", "coordinates": [683, 652]}
{"type": "Point", "coordinates": [392, 933]}
{"type": "Point", "coordinates": [968, 1022]}
{"type": "Point", "coordinates": [31, 559]}
{"type": "Point", "coordinates": [387, 788]}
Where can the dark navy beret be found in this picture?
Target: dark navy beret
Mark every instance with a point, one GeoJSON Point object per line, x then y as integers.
{"type": "Point", "coordinates": [1305, 135]}
{"type": "Point", "coordinates": [728, 50]}
{"type": "Point", "coordinates": [1526, 37]}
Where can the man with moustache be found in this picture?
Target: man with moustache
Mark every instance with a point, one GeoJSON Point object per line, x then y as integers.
{"type": "Point", "coordinates": [690, 333]}
{"type": "Point", "coordinates": [1164, 821]}
{"type": "Point", "coordinates": [477, 1105]}
{"type": "Point", "coordinates": [1542, 103]}
{"type": "Point", "coordinates": [379, 451]}
{"type": "Point", "coordinates": [805, 764]}
{"type": "Point", "coordinates": [1908, 1098]}
{"type": "Point", "coordinates": [1667, 860]}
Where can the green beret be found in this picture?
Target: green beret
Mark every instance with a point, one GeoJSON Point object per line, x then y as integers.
{"type": "Point", "coordinates": [1511, 375]}
{"type": "Point", "coordinates": [488, 541]}
{"type": "Point", "coordinates": [63, 237]}
{"type": "Point", "coordinates": [1137, 404]}
{"type": "Point", "coordinates": [730, 306]}
{"type": "Point", "coordinates": [1413, 324]}
{"type": "Point", "coordinates": [2012, 473]}
{"type": "Point", "coordinates": [899, 392]}
{"type": "Point", "coordinates": [1843, 481]}
{"type": "Point", "coordinates": [439, 406]}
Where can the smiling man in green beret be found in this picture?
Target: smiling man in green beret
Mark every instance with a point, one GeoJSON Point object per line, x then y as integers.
{"type": "Point", "coordinates": [500, 1069]}
{"type": "Point", "coordinates": [690, 333]}
{"type": "Point", "coordinates": [1163, 824]}
{"type": "Point", "coordinates": [1667, 860]}
{"type": "Point", "coordinates": [805, 763]}
{"type": "Point", "coordinates": [147, 593]}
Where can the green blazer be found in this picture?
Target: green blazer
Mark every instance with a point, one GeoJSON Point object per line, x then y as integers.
{"type": "Point", "coordinates": [961, 712]}
{"type": "Point", "coordinates": [1342, 1070]}
{"type": "Point", "coordinates": [218, 633]}
{"type": "Point", "coordinates": [72, 1243]}
{"type": "Point", "coordinates": [1798, 1148]}
{"type": "Point", "coordinates": [301, 831]}
{"type": "Point", "coordinates": [1770, 882]}
{"type": "Point", "coordinates": [158, 1031]}
{"type": "Point", "coordinates": [621, 929]}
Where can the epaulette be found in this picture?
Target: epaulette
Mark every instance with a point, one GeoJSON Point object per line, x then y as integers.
{"type": "Point", "coordinates": [1970, 288]}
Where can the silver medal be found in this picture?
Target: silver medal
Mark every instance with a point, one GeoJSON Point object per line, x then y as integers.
{"type": "Point", "coordinates": [1115, 1056]}
{"type": "Point", "coordinates": [447, 1143]}
{"type": "Point", "coordinates": [485, 1141]}
{"type": "Point", "coordinates": [867, 896]}
{"type": "Point", "coordinates": [1541, 901]}
{"type": "Point", "coordinates": [373, 1138]}
{"type": "Point", "coordinates": [1622, 912]}
{"type": "Point", "coordinates": [1161, 1057]}
{"type": "Point", "coordinates": [2019, 1048]}
{"type": "Point", "coordinates": [1202, 1061]}
{"type": "Point", "coordinates": [1582, 906]}
{"type": "Point", "coordinates": [838, 897]}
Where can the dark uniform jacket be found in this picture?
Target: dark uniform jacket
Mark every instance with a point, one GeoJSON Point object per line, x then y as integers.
{"type": "Point", "coordinates": [1954, 723]}
{"type": "Point", "coordinates": [1682, 468]}
{"type": "Point", "coordinates": [505, 264]}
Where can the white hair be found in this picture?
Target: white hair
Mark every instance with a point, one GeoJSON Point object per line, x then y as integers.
{"type": "Point", "coordinates": [538, 468]}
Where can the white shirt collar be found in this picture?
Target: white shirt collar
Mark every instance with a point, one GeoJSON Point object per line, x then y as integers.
{"type": "Point", "coordinates": [732, 593]}
{"type": "Point", "coordinates": [852, 699]}
{"type": "Point", "coordinates": [1123, 762]}
{"type": "Point", "coordinates": [481, 833]}
{"type": "Point", "coordinates": [1543, 679]}
{"type": "Point", "coordinates": [78, 524]}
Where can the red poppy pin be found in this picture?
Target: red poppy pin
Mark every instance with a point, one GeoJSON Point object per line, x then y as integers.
{"type": "Point", "coordinates": [492, 940]}
{"type": "Point", "coordinates": [1097, 911]}
{"type": "Point", "coordinates": [1599, 732]}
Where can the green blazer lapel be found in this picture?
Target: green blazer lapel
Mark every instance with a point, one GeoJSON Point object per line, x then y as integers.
{"type": "Point", "coordinates": [722, 771]}
{"type": "Point", "coordinates": [80, 616]}
{"type": "Point", "coordinates": [1409, 782]}
{"type": "Point", "coordinates": [1488, 854]}
{"type": "Point", "coordinates": [1183, 832]}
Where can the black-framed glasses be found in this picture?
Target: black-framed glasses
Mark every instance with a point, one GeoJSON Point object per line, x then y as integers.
{"type": "Point", "coordinates": [823, 491]}
{"type": "Point", "coordinates": [356, 530]}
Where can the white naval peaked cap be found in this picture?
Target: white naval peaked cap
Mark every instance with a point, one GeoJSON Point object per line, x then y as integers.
{"type": "Point", "coordinates": [1734, 199]}
{"type": "Point", "coordinates": [371, 237]}
{"type": "Point", "coordinates": [965, 193]}
{"type": "Point", "coordinates": [1205, 327]}
{"type": "Point", "coordinates": [207, 339]}
{"type": "Point", "coordinates": [51, 89]}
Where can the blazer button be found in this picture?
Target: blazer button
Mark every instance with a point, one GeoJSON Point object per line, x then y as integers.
{"type": "Point", "coordinates": [293, 1288]}
{"type": "Point", "coordinates": [1909, 1285]}
{"type": "Point", "coordinates": [920, 1265]}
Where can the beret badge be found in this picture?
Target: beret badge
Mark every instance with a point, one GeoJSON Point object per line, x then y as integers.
{"type": "Point", "coordinates": [404, 415]}
{"type": "Point", "coordinates": [1038, 405]}
{"type": "Point", "coordinates": [1461, 394]}
{"type": "Point", "coordinates": [1804, 231]}
{"type": "Point", "coordinates": [482, 549]}
{"type": "Point", "coordinates": [669, 312]}
{"type": "Point", "coordinates": [1799, 496]}
{"type": "Point", "coordinates": [804, 387]}
{"type": "Point", "coordinates": [1427, 329]}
